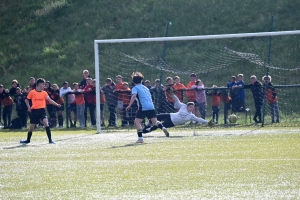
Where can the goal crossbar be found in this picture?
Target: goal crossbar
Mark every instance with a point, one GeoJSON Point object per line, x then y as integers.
{"type": "Point", "coordinates": [165, 39]}
{"type": "Point", "coordinates": [199, 37]}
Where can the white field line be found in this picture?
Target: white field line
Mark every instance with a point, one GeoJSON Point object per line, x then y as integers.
{"type": "Point", "coordinates": [151, 161]}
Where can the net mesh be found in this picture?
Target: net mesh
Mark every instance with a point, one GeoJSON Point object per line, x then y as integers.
{"type": "Point", "coordinates": [214, 62]}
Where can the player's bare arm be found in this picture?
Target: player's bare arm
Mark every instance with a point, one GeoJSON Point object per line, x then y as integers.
{"type": "Point", "coordinates": [131, 101]}
{"type": "Point", "coordinates": [53, 102]}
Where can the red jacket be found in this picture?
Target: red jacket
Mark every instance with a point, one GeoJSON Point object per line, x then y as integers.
{"type": "Point", "coordinates": [90, 91]}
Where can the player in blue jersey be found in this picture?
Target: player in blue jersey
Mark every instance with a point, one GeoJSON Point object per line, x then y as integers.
{"type": "Point", "coordinates": [146, 106]}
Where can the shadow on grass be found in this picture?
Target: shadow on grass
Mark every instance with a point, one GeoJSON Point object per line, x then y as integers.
{"type": "Point", "coordinates": [127, 145]}
{"type": "Point", "coordinates": [22, 146]}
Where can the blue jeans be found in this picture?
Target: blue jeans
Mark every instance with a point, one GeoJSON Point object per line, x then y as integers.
{"type": "Point", "coordinates": [274, 111]}
{"type": "Point", "coordinates": [202, 109]}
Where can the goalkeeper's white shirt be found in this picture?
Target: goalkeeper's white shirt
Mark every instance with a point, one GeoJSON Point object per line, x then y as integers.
{"type": "Point", "coordinates": [183, 116]}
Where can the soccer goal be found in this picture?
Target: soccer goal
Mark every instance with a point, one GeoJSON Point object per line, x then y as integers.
{"type": "Point", "coordinates": [215, 60]}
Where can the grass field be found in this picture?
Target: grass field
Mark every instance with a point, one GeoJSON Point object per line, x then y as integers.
{"type": "Point", "coordinates": [247, 163]}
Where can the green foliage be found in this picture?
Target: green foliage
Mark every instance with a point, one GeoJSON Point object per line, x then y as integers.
{"type": "Point", "coordinates": [54, 39]}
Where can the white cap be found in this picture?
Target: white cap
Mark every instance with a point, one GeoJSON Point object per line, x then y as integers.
{"type": "Point", "coordinates": [84, 71]}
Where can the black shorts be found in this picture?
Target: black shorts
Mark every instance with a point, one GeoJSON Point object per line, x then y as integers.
{"type": "Point", "coordinates": [37, 115]}
{"type": "Point", "coordinates": [72, 107]}
{"type": "Point", "coordinates": [145, 114]}
{"type": "Point", "coordinates": [61, 108]}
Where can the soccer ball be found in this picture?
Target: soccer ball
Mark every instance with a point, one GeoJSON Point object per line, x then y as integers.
{"type": "Point", "coordinates": [232, 118]}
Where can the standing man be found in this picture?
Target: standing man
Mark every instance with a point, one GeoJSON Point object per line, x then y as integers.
{"type": "Point", "coordinates": [38, 98]}
{"type": "Point", "coordinates": [82, 85]}
{"type": "Point", "coordinates": [146, 106]}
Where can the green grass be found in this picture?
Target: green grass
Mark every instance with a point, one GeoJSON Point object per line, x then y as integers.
{"type": "Point", "coordinates": [248, 163]}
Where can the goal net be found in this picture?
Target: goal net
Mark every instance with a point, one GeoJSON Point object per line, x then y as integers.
{"type": "Point", "coordinates": [220, 62]}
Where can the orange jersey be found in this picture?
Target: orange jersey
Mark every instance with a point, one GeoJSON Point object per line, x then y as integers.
{"type": "Point", "coordinates": [126, 96]}
{"type": "Point", "coordinates": [38, 99]}
{"type": "Point", "coordinates": [55, 96]}
{"type": "Point", "coordinates": [119, 86]}
{"type": "Point", "coordinates": [7, 101]}
{"type": "Point", "coordinates": [270, 95]}
{"type": "Point", "coordinates": [79, 98]}
{"type": "Point", "coordinates": [226, 98]}
{"type": "Point", "coordinates": [179, 93]}
{"type": "Point", "coordinates": [191, 95]}
{"type": "Point", "coordinates": [215, 99]}
{"type": "Point", "coordinates": [102, 98]}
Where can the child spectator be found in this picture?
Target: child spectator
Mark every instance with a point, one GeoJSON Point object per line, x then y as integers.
{"type": "Point", "coordinates": [21, 107]}
{"type": "Point", "coordinates": [86, 74]}
{"type": "Point", "coordinates": [258, 96]}
{"type": "Point", "coordinates": [148, 84]}
{"type": "Point", "coordinates": [272, 98]}
{"type": "Point", "coordinates": [215, 103]}
{"type": "Point", "coordinates": [71, 107]}
{"type": "Point", "coordinates": [50, 108]}
{"type": "Point", "coordinates": [191, 94]}
{"type": "Point", "coordinates": [14, 85]}
{"type": "Point", "coordinates": [59, 100]}
{"type": "Point", "coordinates": [125, 94]}
{"type": "Point", "coordinates": [102, 102]}
{"type": "Point", "coordinates": [111, 100]}
{"type": "Point", "coordinates": [178, 88]}
{"type": "Point", "coordinates": [160, 97]}
{"type": "Point", "coordinates": [7, 102]}
{"type": "Point", "coordinates": [200, 97]}
{"type": "Point", "coordinates": [119, 86]}
{"type": "Point", "coordinates": [231, 85]}
{"type": "Point", "coordinates": [90, 91]}
{"type": "Point", "coordinates": [240, 94]}
{"type": "Point", "coordinates": [80, 104]}
{"type": "Point", "coordinates": [170, 100]}
{"type": "Point", "coordinates": [227, 101]}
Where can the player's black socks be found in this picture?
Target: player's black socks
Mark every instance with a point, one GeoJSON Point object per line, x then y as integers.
{"type": "Point", "coordinates": [140, 133]}
{"type": "Point", "coordinates": [153, 128]}
{"type": "Point", "coordinates": [48, 131]}
{"type": "Point", "coordinates": [159, 126]}
{"type": "Point", "coordinates": [29, 134]}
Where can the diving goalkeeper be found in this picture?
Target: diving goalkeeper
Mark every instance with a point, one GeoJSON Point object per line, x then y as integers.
{"type": "Point", "coordinates": [185, 114]}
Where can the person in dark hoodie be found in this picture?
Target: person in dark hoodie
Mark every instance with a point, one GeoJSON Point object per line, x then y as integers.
{"type": "Point", "coordinates": [51, 109]}
{"type": "Point", "coordinates": [14, 85]}
{"type": "Point", "coordinates": [272, 98]}
{"type": "Point", "coordinates": [111, 100]}
{"type": "Point", "coordinates": [21, 107]}
{"type": "Point", "coordinates": [258, 96]}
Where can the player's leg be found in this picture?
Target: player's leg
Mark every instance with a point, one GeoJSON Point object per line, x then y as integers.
{"type": "Point", "coordinates": [34, 120]}
{"type": "Point", "coordinates": [139, 128]}
{"type": "Point", "coordinates": [152, 115]}
{"type": "Point", "coordinates": [48, 131]}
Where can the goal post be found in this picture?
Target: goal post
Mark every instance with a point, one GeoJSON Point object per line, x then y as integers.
{"type": "Point", "coordinates": [168, 39]}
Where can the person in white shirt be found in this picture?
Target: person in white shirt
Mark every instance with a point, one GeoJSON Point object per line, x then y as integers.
{"type": "Point", "coordinates": [71, 103]}
{"type": "Point", "coordinates": [185, 114]}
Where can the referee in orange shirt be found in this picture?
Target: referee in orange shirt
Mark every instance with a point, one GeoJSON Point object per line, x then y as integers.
{"type": "Point", "coordinates": [37, 110]}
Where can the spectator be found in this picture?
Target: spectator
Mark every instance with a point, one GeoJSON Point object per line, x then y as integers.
{"type": "Point", "coordinates": [240, 94]}
{"type": "Point", "coordinates": [102, 102]}
{"type": "Point", "coordinates": [160, 97]}
{"type": "Point", "coordinates": [191, 94]}
{"type": "Point", "coordinates": [50, 108]}
{"type": "Point", "coordinates": [80, 104]}
{"type": "Point", "coordinates": [215, 103]}
{"type": "Point", "coordinates": [170, 100]}
{"type": "Point", "coordinates": [14, 85]}
{"type": "Point", "coordinates": [7, 102]}
{"type": "Point", "coordinates": [71, 107]}
{"type": "Point", "coordinates": [111, 100]}
{"type": "Point", "coordinates": [125, 94]}
{"type": "Point", "coordinates": [231, 85]}
{"type": "Point", "coordinates": [178, 88]}
{"type": "Point", "coordinates": [21, 107]}
{"type": "Point", "coordinates": [227, 101]}
{"type": "Point", "coordinates": [148, 85]}
{"type": "Point", "coordinates": [59, 100]}
{"type": "Point", "coordinates": [272, 98]}
{"type": "Point", "coordinates": [258, 96]}
{"type": "Point", "coordinates": [90, 91]}
{"type": "Point", "coordinates": [82, 85]}
{"type": "Point", "coordinates": [119, 86]}
{"type": "Point", "coordinates": [200, 97]}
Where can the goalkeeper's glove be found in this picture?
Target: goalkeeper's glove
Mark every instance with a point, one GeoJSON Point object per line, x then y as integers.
{"type": "Point", "coordinates": [211, 123]}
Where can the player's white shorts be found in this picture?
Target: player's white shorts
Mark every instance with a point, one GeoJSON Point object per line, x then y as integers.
{"type": "Point", "coordinates": [120, 104]}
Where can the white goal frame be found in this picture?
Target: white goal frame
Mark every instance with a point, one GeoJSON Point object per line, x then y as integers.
{"type": "Point", "coordinates": [166, 39]}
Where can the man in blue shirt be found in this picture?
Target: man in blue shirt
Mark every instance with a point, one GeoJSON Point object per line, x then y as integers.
{"type": "Point", "coordinates": [146, 106]}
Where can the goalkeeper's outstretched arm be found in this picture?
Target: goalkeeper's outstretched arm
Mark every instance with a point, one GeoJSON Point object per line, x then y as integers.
{"type": "Point", "coordinates": [198, 119]}
{"type": "Point", "coordinates": [177, 103]}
